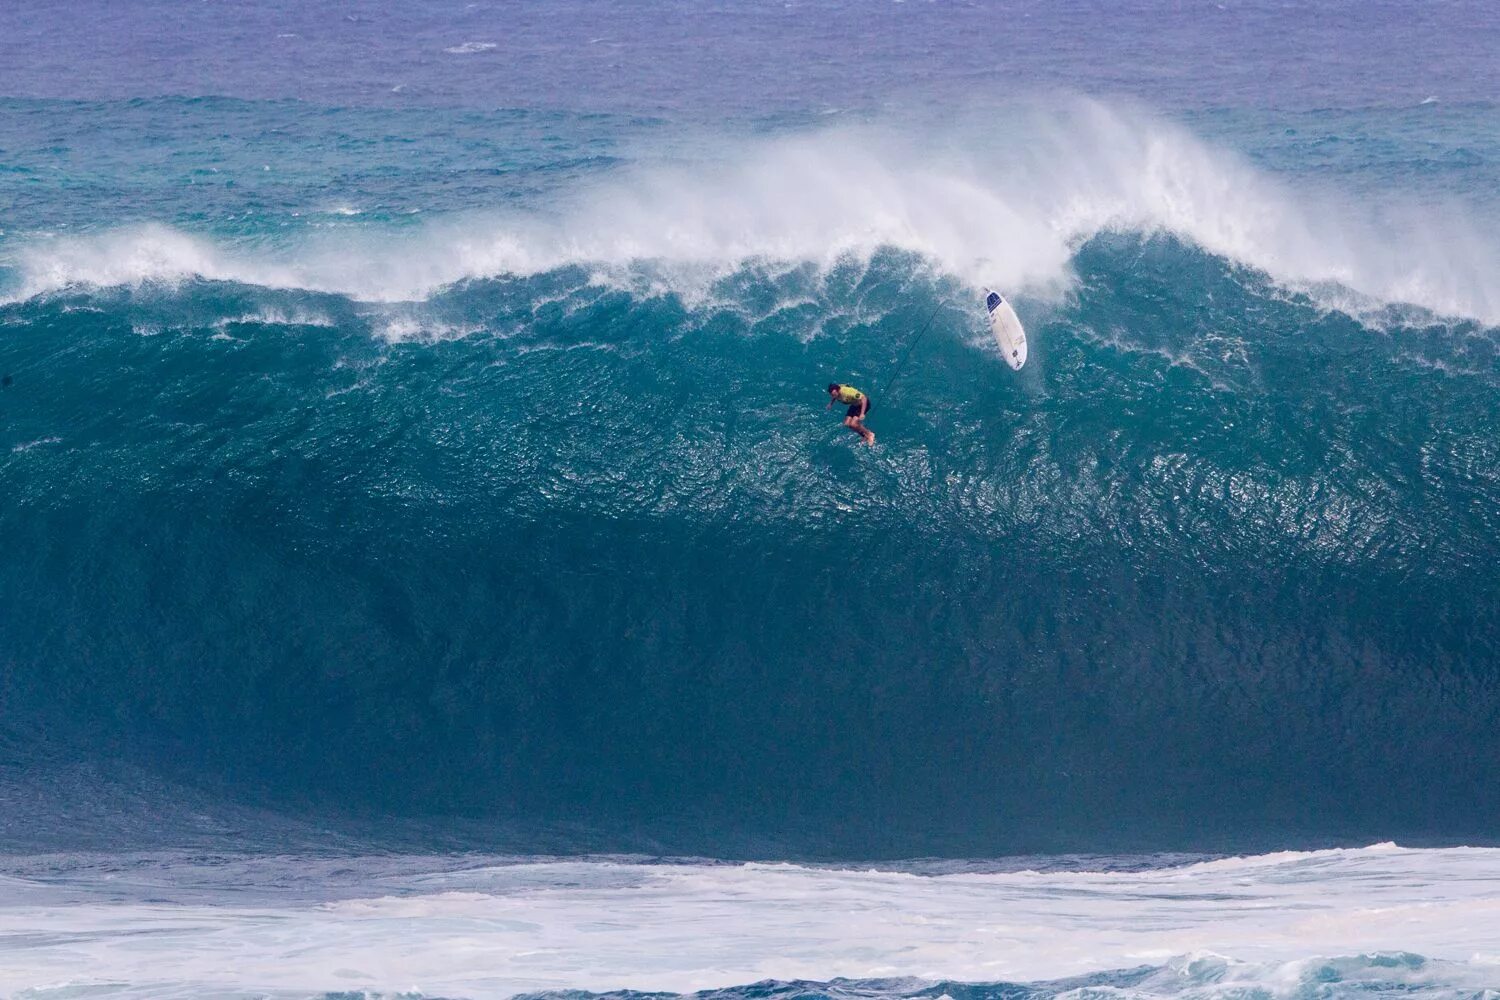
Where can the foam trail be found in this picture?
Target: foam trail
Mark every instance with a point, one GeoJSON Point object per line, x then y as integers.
{"type": "Point", "coordinates": [1002, 198]}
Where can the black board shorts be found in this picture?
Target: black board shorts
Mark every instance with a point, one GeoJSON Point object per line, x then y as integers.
{"type": "Point", "coordinates": [853, 411]}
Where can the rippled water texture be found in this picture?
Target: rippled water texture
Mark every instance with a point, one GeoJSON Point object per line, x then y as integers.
{"type": "Point", "coordinates": [415, 443]}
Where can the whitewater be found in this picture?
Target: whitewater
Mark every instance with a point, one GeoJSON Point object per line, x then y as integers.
{"type": "Point", "coordinates": [1376, 921]}
{"type": "Point", "coordinates": [1003, 195]}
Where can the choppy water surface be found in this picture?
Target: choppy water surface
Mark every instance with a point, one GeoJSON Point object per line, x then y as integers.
{"type": "Point", "coordinates": [414, 443]}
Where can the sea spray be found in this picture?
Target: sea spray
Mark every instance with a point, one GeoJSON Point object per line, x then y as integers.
{"type": "Point", "coordinates": [1002, 198]}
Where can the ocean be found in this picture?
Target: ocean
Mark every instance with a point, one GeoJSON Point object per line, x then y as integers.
{"type": "Point", "coordinates": [429, 568]}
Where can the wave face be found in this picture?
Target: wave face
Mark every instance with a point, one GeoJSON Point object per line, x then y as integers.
{"type": "Point", "coordinates": [534, 516]}
{"type": "Point", "coordinates": [1217, 561]}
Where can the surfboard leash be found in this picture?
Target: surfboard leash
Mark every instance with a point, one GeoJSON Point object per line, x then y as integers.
{"type": "Point", "coordinates": [901, 365]}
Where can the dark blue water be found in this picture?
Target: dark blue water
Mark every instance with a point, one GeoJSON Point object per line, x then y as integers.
{"type": "Point", "coordinates": [416, 431]}
{"type": "Point", "coordinates": [707, 60]}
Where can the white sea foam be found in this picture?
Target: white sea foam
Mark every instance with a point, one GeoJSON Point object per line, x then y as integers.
{"type": "Point", "coordinates": [135, 255]}
{"type": "Point", "coordinates": [469, 48]}
{"type": "Point", "coordinates": [1283, 925]}
{"type": "Point", "coordinates": [397, 327]}
{"type": "Point", "coordinates": [1004, 198]}
{"type": "Point", "coordinates": [275, 317]}
{"type": "Point", "coordinates": [39, 442]}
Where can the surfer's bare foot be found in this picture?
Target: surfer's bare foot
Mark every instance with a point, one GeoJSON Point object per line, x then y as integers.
{"type": "Point", "coordinates": [870, 438]}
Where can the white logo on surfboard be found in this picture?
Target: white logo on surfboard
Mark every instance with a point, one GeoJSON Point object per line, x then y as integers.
{"type": "Point", "coordinates": [1006, 326]}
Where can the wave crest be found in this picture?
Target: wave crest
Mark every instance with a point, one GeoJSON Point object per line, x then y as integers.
{"type": "Point", "coordinates": [1004, 197]}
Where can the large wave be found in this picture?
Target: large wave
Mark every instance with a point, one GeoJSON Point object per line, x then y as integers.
{"type": "Point", "coordinates": [575, 544]}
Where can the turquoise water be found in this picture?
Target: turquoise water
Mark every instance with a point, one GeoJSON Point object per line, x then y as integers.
{"type": "Point", "coordinates": [332, 492]}
{"type": "Point", "coordinates": [414, 444]}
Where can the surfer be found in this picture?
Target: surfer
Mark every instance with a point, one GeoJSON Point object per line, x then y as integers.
{"type": "Point", "coordinates": [859, 405]}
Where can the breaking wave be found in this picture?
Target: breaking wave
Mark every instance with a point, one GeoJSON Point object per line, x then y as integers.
{"type": "Point", "coordinates": [536, 518]}
{"type": "Point", "coordinates": [1001, 198]}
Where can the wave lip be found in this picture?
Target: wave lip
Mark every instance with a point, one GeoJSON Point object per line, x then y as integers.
{"type": "Point", "coordinates": [1004, 199]}
{"type": "Point", "coordinates": [150, 254]}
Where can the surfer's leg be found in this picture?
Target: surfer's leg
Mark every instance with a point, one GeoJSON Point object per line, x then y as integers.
{"type": "Point", "coordinates": [855, 425]}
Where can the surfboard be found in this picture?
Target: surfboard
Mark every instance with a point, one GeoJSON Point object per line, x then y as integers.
{"type": "Point", "coordinates": [1006, 326]}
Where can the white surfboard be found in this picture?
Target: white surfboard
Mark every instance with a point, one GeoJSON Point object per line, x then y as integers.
{"type": "Point", "coordinates": [1006, 326]}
